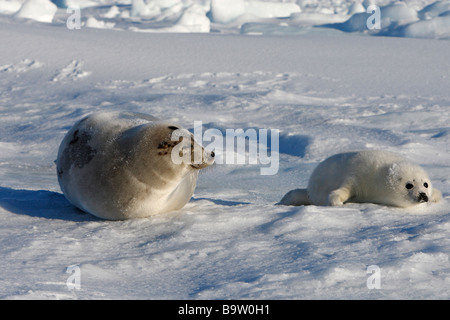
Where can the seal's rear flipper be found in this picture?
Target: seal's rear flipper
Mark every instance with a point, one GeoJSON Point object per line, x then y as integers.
{"type": "Point", "coordinates": [296, 197]}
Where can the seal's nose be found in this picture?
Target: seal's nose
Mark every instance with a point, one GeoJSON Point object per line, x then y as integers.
{"type": "Point", "coordinates": [423, 197]}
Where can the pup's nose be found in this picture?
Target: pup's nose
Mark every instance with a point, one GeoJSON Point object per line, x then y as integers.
{"type": "Point", "coordinates": [423, 197]}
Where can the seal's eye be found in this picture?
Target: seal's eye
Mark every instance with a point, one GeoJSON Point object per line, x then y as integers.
{"type": "Point", "coordinates": [173, 128]}
{"type": "Point", "coordinates": [409, 186]}
{"type": "Point", "coordinates": [425, 185]}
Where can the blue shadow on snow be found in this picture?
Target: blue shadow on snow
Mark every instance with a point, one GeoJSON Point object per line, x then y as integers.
{"type": "Point", "coordinates": [42, 204]}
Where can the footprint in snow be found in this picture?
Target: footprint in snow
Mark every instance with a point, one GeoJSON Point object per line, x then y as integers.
{"type": "Point", "coordinates": [23, 66]}
{"type": "Point", "coordinates": [71, 72]}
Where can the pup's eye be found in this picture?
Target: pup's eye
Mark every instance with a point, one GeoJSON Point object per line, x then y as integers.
{"type": "Point", "coordinates": [425, 185]}
{"type": "Point", "coordinates": [409, 186]}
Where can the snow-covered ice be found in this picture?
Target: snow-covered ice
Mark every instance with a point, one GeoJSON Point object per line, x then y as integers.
{"type": "Point", "coordinates": [325, 89]}
{"type": "Point", "coordinates": [39, 10]}
{"type": "Point", "coordinates": [412, 18]}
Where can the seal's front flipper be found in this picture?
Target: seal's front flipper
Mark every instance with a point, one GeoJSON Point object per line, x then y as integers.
{"type": "Point", "coordinates": [339, 196]}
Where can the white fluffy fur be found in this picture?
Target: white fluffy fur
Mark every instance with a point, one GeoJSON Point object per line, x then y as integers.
{"type": "Point", "coordinates": [118, 166]}
{"type": "Point", "coordinates": [366, 176]}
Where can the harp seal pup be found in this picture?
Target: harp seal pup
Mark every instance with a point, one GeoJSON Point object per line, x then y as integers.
{"type": "Point", "coordinates": [372, 176]}
{"type": "Point", "coordinates": [119, 165]}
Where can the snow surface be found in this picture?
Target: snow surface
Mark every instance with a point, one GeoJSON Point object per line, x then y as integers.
{"type": "Point", "coordinates": [325, 90]}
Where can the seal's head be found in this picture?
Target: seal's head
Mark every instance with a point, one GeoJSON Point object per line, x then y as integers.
{"type": "Point", "coordinates": [185, 150]}
{"type": "Point", "coordinates": [409, 183]}
{"type": "Point", "coordinates": [164, 152]}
